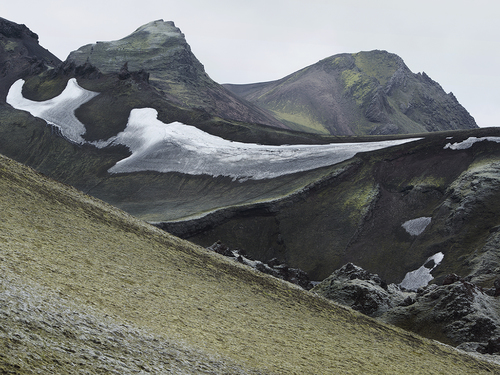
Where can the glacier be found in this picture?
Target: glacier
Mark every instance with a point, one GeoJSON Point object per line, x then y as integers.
{"type": "Point", "coordinates": [416, 226]}
{"type": "Point", "coordinates": [469, 142]}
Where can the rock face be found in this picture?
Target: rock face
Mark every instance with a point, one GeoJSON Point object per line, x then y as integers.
{"type": "Point", "coordinates": [457, 312]}
{"type": "Point", "coordinates": [367, 210]}
{"type": "Point", "coordinates": [20, 55]}
{"type": "Point", "coordinates": [160, 49]}
{"type": "Point", "coordinates": [363, 93]}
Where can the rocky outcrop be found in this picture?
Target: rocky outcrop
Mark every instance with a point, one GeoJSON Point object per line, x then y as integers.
{"type": "Point", "coordinates": [457, 312]}
{"type": "Point", "coordinates": [273, 267]}
{"type": "Point", "coordinates": [361, 290]}
{"type": "Point", "coordinates": [20, 55]}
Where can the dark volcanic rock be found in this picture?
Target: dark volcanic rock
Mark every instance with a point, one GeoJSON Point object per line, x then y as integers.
{"type": "Point", "coordinates": [20, 55]}
{"type": "Point", "coordinates": [273, 267]}
{"type": "Point", "coordinates": [457, 313]}
{"type": "Point", "coordinates": [362, 291]}
{"type": "Point", "coordinates": [161, 49]}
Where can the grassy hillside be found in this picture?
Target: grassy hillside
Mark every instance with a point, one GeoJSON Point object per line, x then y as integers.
{"type": "Point", "coordinates": [86, 287]}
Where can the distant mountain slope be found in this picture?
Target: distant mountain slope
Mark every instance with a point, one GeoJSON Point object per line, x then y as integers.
{"type": "Point", "coordinates": [160, 49]}
{"type": "Point", "coordinates": [363, 93]}
{"type": "Point", "coordinates": [86, 286]}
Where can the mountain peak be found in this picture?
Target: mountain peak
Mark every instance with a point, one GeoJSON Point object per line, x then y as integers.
{"type": "Point", "coordinates": [160, 49]}
{"type": "Point", "coordinates": [152, 46]}
{"type": "Point", "coordinates": [13, 30]}
{"type": "Point", "coordinates": [160, 27]}
{"type": "Point", "coordinates": [20, 54]}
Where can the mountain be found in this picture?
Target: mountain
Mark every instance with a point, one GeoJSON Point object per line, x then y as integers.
{"type": "Point", "coordinates": [358, 210]}
{"type": "Point", "coordinates": [362, 93]}
{"type": "Point", "coordinates": [161, 49]}
{"type": "Point", "coordinates": [335, 196]}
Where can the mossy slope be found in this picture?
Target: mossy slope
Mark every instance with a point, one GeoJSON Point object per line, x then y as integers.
{"type": "Point", "coordinates": [67, 249]}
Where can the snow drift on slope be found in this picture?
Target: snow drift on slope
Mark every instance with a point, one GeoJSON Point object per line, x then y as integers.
{"type": "Point", "coordinates": [175, 147]}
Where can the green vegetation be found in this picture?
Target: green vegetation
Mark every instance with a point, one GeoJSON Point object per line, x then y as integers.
{"type": "Point", "coordinates": [358, 84]}
{"type": "Point", "coordinates": [96, 270]}
{"type": "Point", "coordinates": [301, 121]}
{"type": "Point", "coordinates": [370, 92]}
{"type": "Point", "coordinates": [378, 64]}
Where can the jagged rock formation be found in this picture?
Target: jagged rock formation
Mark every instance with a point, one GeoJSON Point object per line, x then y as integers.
{"type": "Point", "coordinates": [457, 312]}
{"type": "Point", "coordinates": [361, 290]}
{"type": "Point", "coordinates": [160, 49]}
{"type": "Point", "coordinates": [20, 55]}
{"type": "Point", "coordinates": [272, 267]}
{"type": "Point", "coordinates": [363, 93]}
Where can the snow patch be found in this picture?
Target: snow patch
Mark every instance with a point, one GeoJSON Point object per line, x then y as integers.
{"type": "Point", "coordinates": [58, 111]}
{"type": "Point", "coordinates": [416, 226]}
{"type": "Point", "coordinates": [469, 142]}
{"type": "Point", "coordinates": [422, 276]}
{"type": "Point", "coordinates": [153, 143]}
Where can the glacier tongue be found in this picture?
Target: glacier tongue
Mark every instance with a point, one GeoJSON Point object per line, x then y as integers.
{"type": "Point", "coordinates": [58, 111]}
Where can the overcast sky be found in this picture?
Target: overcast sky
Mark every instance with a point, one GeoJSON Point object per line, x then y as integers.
{"type": "Point", "coordinates": [241, 41]}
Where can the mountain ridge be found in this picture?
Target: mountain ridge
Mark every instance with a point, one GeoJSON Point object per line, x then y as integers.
{"type": "Point", "coordinates": [20, 54]}
{"type": "Point", "coordinates": [161, 49]}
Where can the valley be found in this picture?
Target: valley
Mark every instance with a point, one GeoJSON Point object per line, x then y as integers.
{"type": "Point", "coordinates": [123, 166]}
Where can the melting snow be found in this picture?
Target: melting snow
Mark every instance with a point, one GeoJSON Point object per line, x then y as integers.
{"type": "Point", "coordinates": [416, 226]}
{"type": "Point", "coordinates": [59, 111]}
{"type": "Point", "coordinates": [469, 142]}
{"type": "Point", "coordinates": [153, 143]}
{"type": "Point", "coordinates": [175, 147]}
{"type": "Point", "coordinates": [421, 277]}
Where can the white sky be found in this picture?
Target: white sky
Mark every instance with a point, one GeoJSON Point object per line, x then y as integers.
{"type": "Point", "coordinates": [240, 41]}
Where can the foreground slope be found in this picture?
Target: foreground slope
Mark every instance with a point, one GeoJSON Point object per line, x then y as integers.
{"type": "Point", "coordinates": [87, 287]}
{"type": "Point", "coordinates": [362, 93]}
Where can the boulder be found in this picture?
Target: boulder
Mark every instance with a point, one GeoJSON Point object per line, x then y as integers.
{"type": "Point", "coordinates": [273, 267]}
